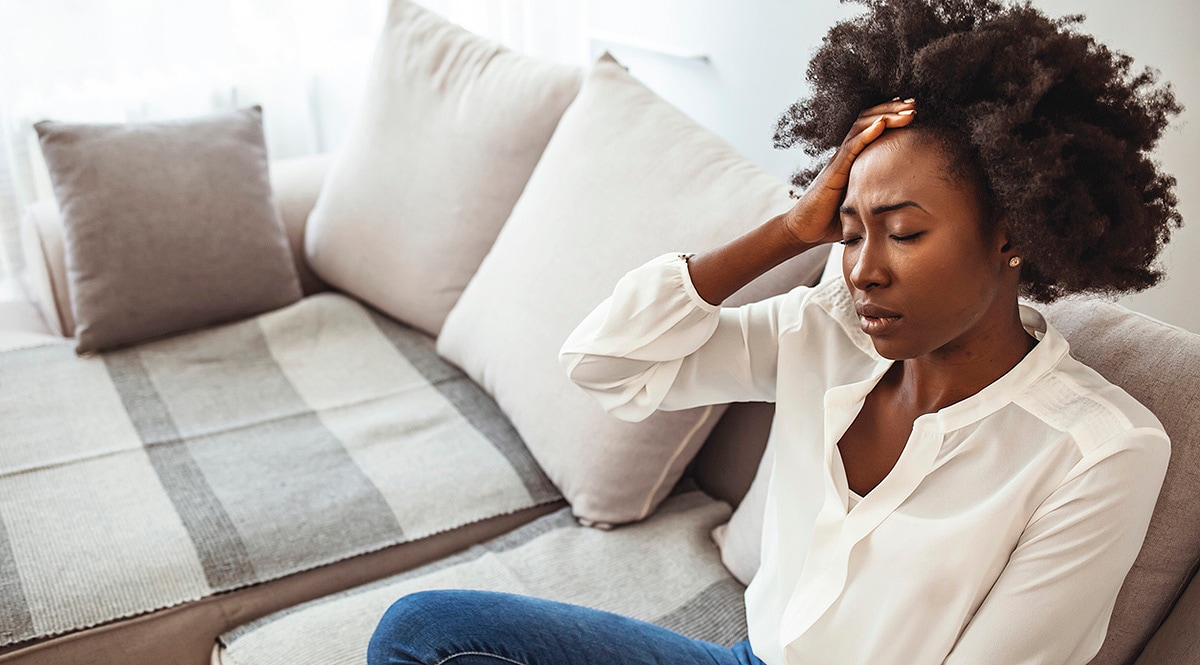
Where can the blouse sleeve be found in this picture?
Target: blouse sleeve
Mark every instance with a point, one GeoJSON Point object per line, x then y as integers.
{"type": "Point", "coordinates": [1052, 602]}
{"type": "Point", "coordinates": [656, 344]}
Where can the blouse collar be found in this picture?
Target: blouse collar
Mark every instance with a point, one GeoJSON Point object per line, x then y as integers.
{"type": "Point", "coordinates": [1045, 356]}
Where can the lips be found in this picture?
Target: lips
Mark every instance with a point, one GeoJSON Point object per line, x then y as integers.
{"type": "Point", "coordinates": [876, 320]}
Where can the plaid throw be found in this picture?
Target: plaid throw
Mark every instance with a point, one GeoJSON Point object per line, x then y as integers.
{"type": "Point", "coordinates": [665, 570]}
{"type": "Point", "coordinates": [163, 473]}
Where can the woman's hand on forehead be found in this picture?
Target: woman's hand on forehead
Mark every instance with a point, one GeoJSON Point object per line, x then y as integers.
{"type": "Point", "coordinates": [814, 219]}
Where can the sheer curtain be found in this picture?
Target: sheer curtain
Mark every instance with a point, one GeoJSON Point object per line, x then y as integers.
{"type": "Point", "coordinates": [304, 61]}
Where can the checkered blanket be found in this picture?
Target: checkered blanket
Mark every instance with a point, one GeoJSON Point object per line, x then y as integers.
{"type": "Point", "coordinates": [163, 473]}
{"type": "Point", "coordinates": [665, 570]}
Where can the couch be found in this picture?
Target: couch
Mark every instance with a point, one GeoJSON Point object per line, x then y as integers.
{"type": "Point", "coordinates": [184, 511]}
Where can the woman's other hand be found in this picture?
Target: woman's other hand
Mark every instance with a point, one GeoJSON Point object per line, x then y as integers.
{"type": "Point", "coordinates": [814, 218]}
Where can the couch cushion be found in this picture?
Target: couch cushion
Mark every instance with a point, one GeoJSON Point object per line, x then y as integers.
{"type": "Point", "coordinates": [652, 181]}
{"type": "Point", "coordinates": [295, 183]}
{"type": "Point", "coordinates": [184, 634]}
{"type": "Point", "coordinates": [157, 242]}
{"type": "Point", "coordinates": [431, 165]}
{"type": "Point", "coordinates": [663, 570]}
{"type": "Point", "coordinates": [170, 471]}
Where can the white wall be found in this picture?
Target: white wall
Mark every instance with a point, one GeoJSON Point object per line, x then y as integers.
{"type": "Point", "coordinates": [1162, 34]}
{"type": "Point", "coordinates": [757, 51]}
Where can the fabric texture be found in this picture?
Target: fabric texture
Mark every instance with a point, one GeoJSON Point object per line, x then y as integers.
{"type": "Point", "coordinates": [725, 467]}
{"type": "Point", "coordinates": [740, 539]}
{"type": "Point", "coordinates": [652, 179]}
{"type": "Point", "coordinates": [469, 626]}
{"type": "Point", "coordinates": [168, 226]}
{"type": "Point", "coordinates": [141, 478]}
{"type": "Point", "coordinates": [1177, 640]}
{"type": "Point", "coordinates": [664, 570]}
{"type": "Point", "coordinates": [1159, 365]}
{"type": "Point", "coordinates": [187, 633]}
{"type": "Point", "coordinates": [438, 152]}
{"type": "Point", "coordinates": [1004, 530]}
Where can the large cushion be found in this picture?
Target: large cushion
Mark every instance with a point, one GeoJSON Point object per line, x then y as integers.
{"type": "Point", "coordinates": [177, 469]}
{"type": "Point", "coordinates": [168, 225]}
{"type": "Point", "coordinates": [664, 570]}
{"type": "Point", "coordinates": [1159, 365]}
{"type": "Point", "coordinates": [431, 165]}
{"type": "Point", "coordinates": [627, 177]}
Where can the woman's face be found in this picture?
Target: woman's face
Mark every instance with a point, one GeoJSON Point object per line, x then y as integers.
{"type": "Point", "coordinates": [923, 276]}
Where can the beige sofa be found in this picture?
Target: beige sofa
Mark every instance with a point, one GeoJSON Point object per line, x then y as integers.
{"type": "Point", "coordinates": [1125, 345]}
{"type": "Point", "coordinates": [1128, 347]}
{"type": "Point", "coordinates": [317, 601]}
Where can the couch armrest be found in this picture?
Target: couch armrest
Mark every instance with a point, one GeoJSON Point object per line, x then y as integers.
{"type": "Point", "coordinates": [45, 267]}
{"type": "Point", "coordinates": [295, 184]}
{"type": "Point", "coordinates": [21, 326]}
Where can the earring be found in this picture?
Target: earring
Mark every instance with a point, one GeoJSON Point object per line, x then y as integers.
{"type": "Point", "coordinates": [1014, 261]}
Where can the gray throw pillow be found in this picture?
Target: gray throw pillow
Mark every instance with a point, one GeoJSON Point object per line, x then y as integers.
{"type": "Point", "coordinates": [168, 225]}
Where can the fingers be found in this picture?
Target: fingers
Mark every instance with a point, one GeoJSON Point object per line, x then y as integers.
{"type": "Point", "coordinates": [894, 106]}
{"type": "Point", "coordinates": [870, 125]}
{"type": "Point", "coordinates": [892, 114]}
{"type": "Point", "coordinates": [897, 112]}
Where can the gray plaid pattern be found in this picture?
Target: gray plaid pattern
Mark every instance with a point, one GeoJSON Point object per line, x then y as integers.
{"type": "Point", "coordinates": [166, 472]}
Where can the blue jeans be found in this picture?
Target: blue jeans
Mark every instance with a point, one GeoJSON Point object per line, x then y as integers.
{"type": "Point", "coordinates": [456, 627]}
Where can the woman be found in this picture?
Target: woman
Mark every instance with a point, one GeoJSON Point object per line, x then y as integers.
{"type": "Point", "coordinates": [949, 485]}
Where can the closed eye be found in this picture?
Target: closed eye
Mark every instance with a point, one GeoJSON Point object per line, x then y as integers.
{"type": "Point", "coordinates": [908, 238]}
{"type": "Point", "coordinates": [849, 241]}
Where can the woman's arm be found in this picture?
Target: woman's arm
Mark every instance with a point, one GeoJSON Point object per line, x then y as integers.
{"type": "Point", "coordinates": [1052, 602]}
{"type": "Point", "coordinates": [662, 341]}
{"type": "Point", "coordinates": [656, 344]}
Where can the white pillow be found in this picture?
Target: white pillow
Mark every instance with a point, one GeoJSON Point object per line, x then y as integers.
{"type": "Point", "coordinates": [438, 152]}
{"type": "Point", "coordinates": [627, 177]}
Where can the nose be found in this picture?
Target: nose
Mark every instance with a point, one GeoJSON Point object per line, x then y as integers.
{"type": "Point", "coordinates": [865, 264]}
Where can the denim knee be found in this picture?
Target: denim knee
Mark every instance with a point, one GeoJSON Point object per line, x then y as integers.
{"type": "Point", "coordinates": [404, 635]}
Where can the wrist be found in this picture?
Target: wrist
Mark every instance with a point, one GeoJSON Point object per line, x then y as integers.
{"type": "Point", "coordinates": [784, 229]}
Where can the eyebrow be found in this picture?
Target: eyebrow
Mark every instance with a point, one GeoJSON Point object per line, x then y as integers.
{"type": "Point", "coordinates": [879, 210]}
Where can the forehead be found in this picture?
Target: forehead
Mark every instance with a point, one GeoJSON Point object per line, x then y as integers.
{"type": "Point", "coordinates": [900, 166]}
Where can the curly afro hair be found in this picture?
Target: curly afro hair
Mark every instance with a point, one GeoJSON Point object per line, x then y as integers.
{"type": "Point", "coordinates": [1053, 126]}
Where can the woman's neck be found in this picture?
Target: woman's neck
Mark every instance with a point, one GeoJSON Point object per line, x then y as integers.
{"type": "Point", "coordinates": [964, 367]}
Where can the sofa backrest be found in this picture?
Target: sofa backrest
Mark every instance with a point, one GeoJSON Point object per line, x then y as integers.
{"type": "Point", "coordinates": [726, 464]}
{"type": "Point", "coordinates": [296, 183]}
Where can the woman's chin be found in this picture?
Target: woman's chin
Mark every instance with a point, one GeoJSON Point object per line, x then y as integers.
{"type": "Point", "coordinates": [893, 349]}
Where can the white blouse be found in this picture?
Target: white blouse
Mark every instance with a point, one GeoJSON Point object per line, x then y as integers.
{"type": "Point", "coordinates": [1003, 532]}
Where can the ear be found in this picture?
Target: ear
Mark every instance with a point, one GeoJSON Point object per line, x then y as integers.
{"type": "Point", "coordinates": [1001, 241]}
